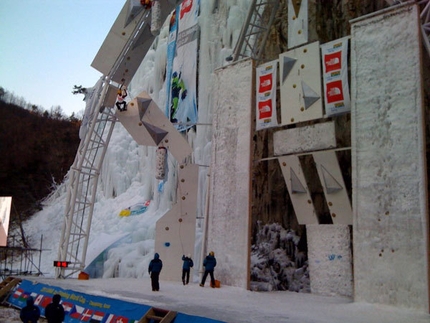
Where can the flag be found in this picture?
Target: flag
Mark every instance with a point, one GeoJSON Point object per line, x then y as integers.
{"type": "Point", "coordinates": [23, 297]}
{"type": "Point", "coordinates": [18, 293]}
{"type": "Point", "coordinates": [38, 299]}
{"type": "Point", "coordinates": [97, 317]}
{"type": "Point", "coordinates": [67, 307]}
{"type": "Point", "coordinates": [76, 312]}
{"type": "Point", "coordinates": [121, 319]}
{"type": "Point", "coordinates": [45, 301]}
{"type": "Point", "coordinates": [111, 318]}
{"type": "Point", "coordinates": [86, 315]}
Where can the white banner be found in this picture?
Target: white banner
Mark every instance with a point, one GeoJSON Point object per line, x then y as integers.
{"type": "Point", "coordinates": [335, 77]}
{"type": "Point", "coordinates": [266, 95]}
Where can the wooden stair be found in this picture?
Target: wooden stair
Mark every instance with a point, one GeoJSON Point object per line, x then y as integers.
{"type": "Point", "coordinates": [7, 285]}
{"type": "Point", "coordinates": [158, 315]}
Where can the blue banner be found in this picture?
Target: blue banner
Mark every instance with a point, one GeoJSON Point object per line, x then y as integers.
{"type": "Point", "coordinates": [79, 307]}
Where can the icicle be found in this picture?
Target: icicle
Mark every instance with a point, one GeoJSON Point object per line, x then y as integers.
{"type": "Point", "coordinates": [160, 163]}
{"type": "Point", "coordinates": [156, 18]}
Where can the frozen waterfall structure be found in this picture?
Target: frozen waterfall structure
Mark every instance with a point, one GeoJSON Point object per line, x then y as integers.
{"type": "Point", "coordinates": [175, 231]}
{"type": "Point", "coordinates": [118, 59]}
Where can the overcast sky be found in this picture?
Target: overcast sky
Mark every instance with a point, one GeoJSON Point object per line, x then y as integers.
{"type": "Point", "coordinates": [47, 47]}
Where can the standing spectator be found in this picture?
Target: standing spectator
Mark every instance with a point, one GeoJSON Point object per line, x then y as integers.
{"type": "Point", "coordinates": [186, 267]}
{"type": "Point", "coordinates": [54, 312]}
{"type": "Point", "coordinates": [30, 313]}
{"type": "Point", "coordinates": [154, 270]}
{"type": "Point", "coordinates": [209, 263]}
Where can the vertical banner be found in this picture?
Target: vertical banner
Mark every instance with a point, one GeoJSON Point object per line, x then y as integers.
{"type": "Point", "coordinates": [266, 95]}
{"type": "Point", "coordinates": [183, 82]}
{"type": "Point", "coordinates": [171, 49]}
{"type": "Point", "coordinates": [335, 77]}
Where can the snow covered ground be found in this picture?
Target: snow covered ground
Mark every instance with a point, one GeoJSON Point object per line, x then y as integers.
{"type": "Point", "coordinates": [235, 305]}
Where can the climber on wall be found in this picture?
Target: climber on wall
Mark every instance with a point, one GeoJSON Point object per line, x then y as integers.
{"type": "Point", "coordinates": [146, 4]}
{"type": "Point", "coordinates": [120, 102]}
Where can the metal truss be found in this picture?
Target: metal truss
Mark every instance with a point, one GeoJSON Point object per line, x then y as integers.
{"type": "Point", "coordinates": [84, 174]}
{"type": "Point", "coordinates": [82, 186]}
{"type": "Point", "coordinates": [255, 30]}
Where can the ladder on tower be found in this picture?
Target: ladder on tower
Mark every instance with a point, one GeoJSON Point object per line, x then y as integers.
{"type": "Point", "coordinates": [82, 185]}
{"type": "Point", "coordinates": [255, 31]}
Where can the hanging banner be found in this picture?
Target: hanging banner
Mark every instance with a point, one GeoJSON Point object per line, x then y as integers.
{"type": "Point", "coordinates": [335, 77]}
{"type": "Point", "coordinates": [266, 95]}
{"type": "Point", "coordinates": [171, 50]}
{"type": "Point", "coordinates": [183, 77]}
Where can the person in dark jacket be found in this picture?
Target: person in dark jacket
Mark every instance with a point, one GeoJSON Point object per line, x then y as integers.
{"type": "Point", "coordinates": [186, 267]}
{"type": "Point", "coordinates": [209, 263]}
{"type": "Point", "coordinates": [30, 313]}
{"type": "Point", "coordinates": [54, 312]}
{"type": "Point", "coordinates": [154, 270]}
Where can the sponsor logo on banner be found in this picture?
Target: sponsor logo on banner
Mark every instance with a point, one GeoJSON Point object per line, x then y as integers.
{"type": "Point", "coordinates": [333, 62]}
{"type": "Point", "coordinates": [265, 109]}
{"type": "Point", "coordinates": [185, 7]}
{"type": "Point", "coordinates": [265, 83]}
{"type": "Point", "coordinates": [334, 91]}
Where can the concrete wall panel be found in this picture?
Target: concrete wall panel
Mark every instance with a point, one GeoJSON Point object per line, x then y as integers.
{"type": "Point", "coordinates": [388, 160]}
{"type": "Point", "coordinates": [310, 138]}
{"type": "Point", "coordinates": [229, 211]}
{"type": "Point", "coordinates": [330, 259]}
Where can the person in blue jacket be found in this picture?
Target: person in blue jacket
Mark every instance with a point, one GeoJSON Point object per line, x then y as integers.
{"type": "Point", "coordinates": [154, 270]}
{"type": "Point", "coordinates": [186, 267]}
{"type": "Point", "coordinates": [54, 312]}
{"type": "Point", "coordinates": [209, 263]}
{"type": "Point", "coordinates": [30, 313]}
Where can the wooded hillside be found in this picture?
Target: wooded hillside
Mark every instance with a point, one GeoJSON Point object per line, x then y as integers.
{"type": "Point", "coordinates": [36, 152]}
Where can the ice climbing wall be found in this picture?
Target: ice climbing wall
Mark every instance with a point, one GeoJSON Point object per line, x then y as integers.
{"type": "Point", "coordinates": [228, 222]}
{"type": "Point", "coordinates": [388, 159]}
